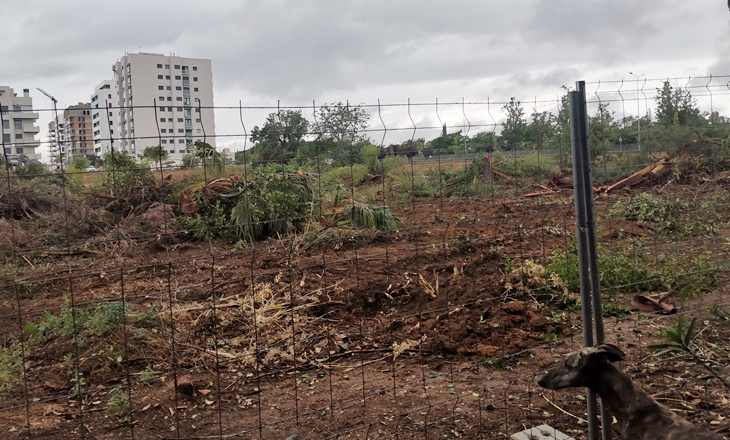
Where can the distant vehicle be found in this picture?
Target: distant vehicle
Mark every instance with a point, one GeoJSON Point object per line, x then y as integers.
{"type": "Point", "coordinates": [90, 169]}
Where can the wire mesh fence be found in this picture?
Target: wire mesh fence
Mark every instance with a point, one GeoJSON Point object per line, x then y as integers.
{"type": "Point", "coordinates": [364, 271]}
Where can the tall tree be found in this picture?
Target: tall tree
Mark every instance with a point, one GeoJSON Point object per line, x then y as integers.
{"type": "Point", "coordinates": [155, 154]}
{"type": "Point", "coordinates": [514, 128]}
{"type": "Point", "coordinates": [341, 122]}
{"type": "Point", "coordinates": [602, 131]}
{"type": "Point", "coordinates": [675, 106]}
{"type": "Point", "coordinates": [280, 136]}
{"type": "Point", "coordinates": [338, 128]}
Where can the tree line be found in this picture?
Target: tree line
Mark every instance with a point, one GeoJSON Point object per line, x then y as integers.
{"type": "Point", "coordinates": [337, 132]}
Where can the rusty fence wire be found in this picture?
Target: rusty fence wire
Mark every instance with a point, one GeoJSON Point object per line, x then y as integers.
{"type": "Point", "coordinates": [377, 270]}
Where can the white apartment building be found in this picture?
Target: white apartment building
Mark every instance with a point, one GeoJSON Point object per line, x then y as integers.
{"type": "Point", "coordinates": [164, 101]}
{"type": "Point", "coordinates": [19, 127]}
{"type": "Point", "coordinates": [57, 143]}
{"type": "Point", "coordinates": [104, 116]}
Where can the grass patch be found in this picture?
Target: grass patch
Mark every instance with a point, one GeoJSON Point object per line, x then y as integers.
{"type": "Point", "coordinates": [11, 363]}
{"type": "Point", "coordinates": [622, 271]}
{"type": "Point", "coordinates": [672, 214]}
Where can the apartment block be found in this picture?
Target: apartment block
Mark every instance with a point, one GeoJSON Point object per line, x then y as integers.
{"type": "Point", "coordinates": [104, 116]}
{"type": "Point", "coordinates": [19, 127]}
{"type": "Point", "coordinates": [164, 101]}
{"type": "Point", "coordinates": [57, 142]}
{"type": "Point", "coordinates": [79, 140]}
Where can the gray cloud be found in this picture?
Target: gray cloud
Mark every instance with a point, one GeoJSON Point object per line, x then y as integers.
{"type": "Point", "coordinates": [327, 50]}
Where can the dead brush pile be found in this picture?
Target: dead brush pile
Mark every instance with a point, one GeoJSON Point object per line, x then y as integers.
{"type": "Point", "coordinates": [702, 160]}
{"type": "Point", "coordinates": [531, 280]}
{"type": "Point", "coordinates": [39, 214]}
{"type": "Point", "coordinates": [260, 328]}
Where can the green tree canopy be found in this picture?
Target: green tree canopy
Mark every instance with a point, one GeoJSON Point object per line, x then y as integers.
{"type": "Point", "coordinates": [514, 128]}
{"type": "Point", "coordinates": [338, 128]}
{"type": "Point", "coordinates": [80, 163]}
{"type": "Point", "coordinates": [280, 137]}
{"type": "Point", "coordinates": [675, 106]}
{"type": "Point", "coordinates": [155, 154]}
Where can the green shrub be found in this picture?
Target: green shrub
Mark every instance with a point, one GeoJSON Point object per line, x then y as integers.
{"type": "Point", "coordinates": [10, 366]}
{"type": "Point", "coordinates": [207, 224]}
{"type": "Point", "coordinates": [124, 175]}
{"type": "Point", "coordinates": [624, 272]}
{"type": "Point", "coordinates": [668, 213]}
{"type": "Point", "coordinates": [369, 156]}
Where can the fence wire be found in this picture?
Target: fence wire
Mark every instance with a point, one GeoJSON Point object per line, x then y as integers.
{"type": "Point", "coordinates": [408, 274]}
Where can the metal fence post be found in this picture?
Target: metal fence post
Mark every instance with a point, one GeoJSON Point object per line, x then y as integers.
{"type": "Point", "coordinates": [578, 136]}
{"type": "Point", "coordinates": [595, 274]}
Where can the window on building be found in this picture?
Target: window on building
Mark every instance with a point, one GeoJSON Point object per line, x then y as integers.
{"type": "Point", "coordinates": [4, 109]}
{"type": "Point", "coordinates": [163, 141]}
{"type": "Point", "coordinates": [195, 89]}
{"type": "Point", "coordinates": [18, 125]}
{"type": "Point", "coordinates": [19, 150]}
{"type": "Point", "coordinates": [167, 76]}
{"type": "Point", "coordinates": [162, 98]}
{"type": "Point", "coordinates": [178, 87]}
{"type": "Point", "coordinates": [177, 77]}
{"type": "Point", "coordinates": [179, 119]}
{"type": "Point", "coordinates": [179, 109]}
{"type": "Point", "coordinates": [186, 91]}
{"type": "Point", "coordinates": [187, 113]}
{"type": "Point", "coordinates": [180, 151]}
{"type": "Point", "coordinates": [195, 78]}
{"type": "Point", "coordinates": [159, 66]}
{"type": "Point", "coordinates": [163, 130]}
{"type": "Point", "coordinates": [160, 87]}
{"type": "Point", "coordinates": [181, 141]}
{"type": "Point", "coordinates": [19, 136]}
{"type": "Point", "coordinates": [169, 98]}
{"type": "Point", "coordinates": [177, 66]}
{"type": "Point", "coordinates": [162, 109]}
{"type": "Point", "coordinates": [6, 124]}
{"type": "Point", "coordinates": [169, 109]}
{"type": "Point", "coordinates": [197, 130]}
{"type": "Point", "coordinates": [179, 98]}
{"type": "Point", "coordinates": [16, 108]}
{"type": "Point", "coordinates": [169, 119]}
{"type": "Point", "coordinates": [185, 69]}
{"type": "Point", "coordinates": [188, 122]}
{"type": "Point", "coordinates": [160, 76]}
{"type": "Point", "coordinates": [195, 68]}
{"type": "Point", "coordinates": [169, 87]}
{"type": "Point", "coordinates": [167, 66]}
{"type": "Point", "coordinates": [197, 110]}
{"type": "Point", "coordinates": [180, 130]}
{"type": "Point", "coordinates": [162, 119]}
{"type": "Point", "coordinates": [6, 138]}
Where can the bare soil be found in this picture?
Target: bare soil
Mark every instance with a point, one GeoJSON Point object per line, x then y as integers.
{"type": "Point", "coordinates": [357, 334]}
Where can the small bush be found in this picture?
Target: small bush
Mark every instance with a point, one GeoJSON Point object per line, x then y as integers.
{"type": "Point", "coordinates": [668, 213]}
{"type": "Point", "coordinates": [203, 226]}
{"type": "Point", "coordinates": [624, 272]}
{"type": "Point", "coordinates": [119, 404]}
{"type": "Point", "coordinates": [10, 366]}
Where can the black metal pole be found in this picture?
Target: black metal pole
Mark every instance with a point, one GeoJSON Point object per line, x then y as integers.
{"type": "Point", "coordinates": [595, 274]}
{"type": "Point", "coordinates": [578, 130]}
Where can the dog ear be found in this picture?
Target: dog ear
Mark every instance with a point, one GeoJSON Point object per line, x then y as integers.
{"type": "Point", "coordinates": [609, 352]}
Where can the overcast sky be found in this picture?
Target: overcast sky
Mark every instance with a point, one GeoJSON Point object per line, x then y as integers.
{"type": "Point", "coordinates": [362, 51]}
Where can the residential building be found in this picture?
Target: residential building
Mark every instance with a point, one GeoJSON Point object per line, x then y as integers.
{"type": "Point", "coordinates": [57, 143]}
{"type": "Point", "coordinates": [164, 101]}
{"type": "Point", "coordinates": [79, 140]}
{"type": "Point", "coordinates": [19, 127]}
{"type": "Point", "coordinates": [104, 113]}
